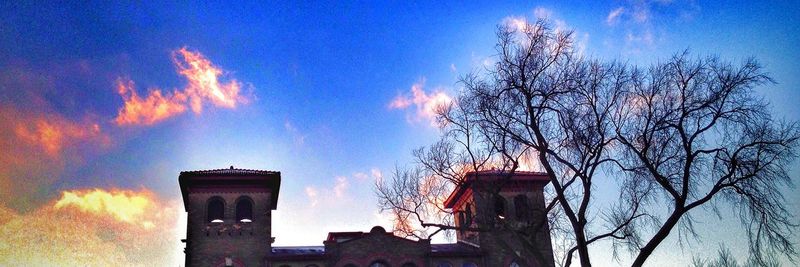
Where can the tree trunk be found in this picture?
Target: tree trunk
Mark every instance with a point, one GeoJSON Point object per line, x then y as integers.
{"type": "Point", "coordinates": [659, 237]}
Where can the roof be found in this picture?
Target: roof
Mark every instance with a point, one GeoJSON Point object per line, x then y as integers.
{"type": "Point", "coordinates": [493, 175]}
{"type": "Point", "coordinates": [231, 179]}
{"type": "Point", "coordinates": [454, 250]}
{"type": "Point", "coordinates": [345, 236]}
{"type": "Point", "coordinates": [298, 253]}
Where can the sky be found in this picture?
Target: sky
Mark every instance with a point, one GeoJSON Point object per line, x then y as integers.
{"type": "Point", "coordinates": [103, 104]}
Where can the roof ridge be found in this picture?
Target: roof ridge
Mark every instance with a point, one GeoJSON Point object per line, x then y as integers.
{"type": "Point", "coordinates": [229, 171]}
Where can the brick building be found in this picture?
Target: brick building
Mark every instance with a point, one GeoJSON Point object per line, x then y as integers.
{"type": "Point", "coordinates": [230, 224]}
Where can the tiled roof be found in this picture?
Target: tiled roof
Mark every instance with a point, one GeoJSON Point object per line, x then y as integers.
{"type": "Point", "coordinates": [229, 171]}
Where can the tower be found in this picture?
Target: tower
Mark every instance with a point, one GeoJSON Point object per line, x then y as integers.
{"type": "Point", "coordinates": [494, 209]}
{"type": "Point", "coordinates": [229, 215]}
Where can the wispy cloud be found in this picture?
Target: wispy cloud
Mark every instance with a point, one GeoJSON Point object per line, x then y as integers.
{"type": "Point", "coordinates": [376, 174]}
{"type": "Point", "coordinates": [36, 147]}
{"type": "Point", "coordinates": [313, 195]}
{"type": "Point", "coordinates": [521, 24]}
{"type": "Point", "coordinates": [340, 188]}
{"type": "Point", "coordinates": [154, 108]}
{"type": "Point", "coordinates": [426, 104]}
{"type": "Point", "coordinates": [204, 86]}
{"type": "Point", "coordinates": [614, 15]}
{"type": "Point", "coordinates": [298, 137]}
{"type": "Point", "coordinates": [542, 13]}
{"type": "Point", "coordinates": [49, 132]}
{"type": "Point", "coordinates": [635, 22]}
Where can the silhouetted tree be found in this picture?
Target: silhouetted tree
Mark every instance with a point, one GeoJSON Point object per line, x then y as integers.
{"type": "Point", "coordinates": [679, 135]}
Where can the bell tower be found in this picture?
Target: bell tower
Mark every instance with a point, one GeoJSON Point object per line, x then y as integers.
{"type": "Point", "coordinates": [229, 215]}
{"type": "Point", "coordinates": [493, 209]}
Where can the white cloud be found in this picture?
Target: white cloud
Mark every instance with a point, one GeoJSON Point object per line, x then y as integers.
{"type": "Point", "coordinates": [340, 188]}
{"type": "Point", "coordinates": [520, 24]}
{"type": "Point", "coordinates": [297, 136]}
{"type": "Point", "coordinates": [313, 196]}
{"type": "Point", "coordinates": [542, 13]}
{"type": "Point", "coordinates": [376, 174]}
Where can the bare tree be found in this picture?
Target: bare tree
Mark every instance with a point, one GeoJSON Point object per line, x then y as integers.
{"type": "Point", "coordinates": [680, 135]}
{"type": "Point", "coordinates": [695, 131]}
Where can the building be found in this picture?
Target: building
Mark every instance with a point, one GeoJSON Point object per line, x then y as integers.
{"type": "Point", "coordinates": [230, 224]}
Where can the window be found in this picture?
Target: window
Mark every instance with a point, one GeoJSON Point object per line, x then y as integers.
{"type": "Point", "coordinates": [378, 264]}
{"type": "Point", "coordinates": [469, 215]}
{"type": "Point", "coordinates": [244, 210]}
{"type": "Point", "coordinates": [522, 208]}
{"type": "Point", "coordinates": [514, 264]}
{"type": "Point", "coordinates": [216, 210]}
{"type": "Point", "coordinates": [462, 221]}
{"type": "Point", "coordinates": [500, 206]}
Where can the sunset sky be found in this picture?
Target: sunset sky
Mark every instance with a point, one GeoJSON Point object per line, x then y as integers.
{"type": "Point", "coordinates": [102, 105]}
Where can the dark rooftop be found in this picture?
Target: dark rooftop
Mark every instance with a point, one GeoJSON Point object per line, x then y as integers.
{"type": "Point", "coordinates": [228, 172]}
{"type": "Point", "coordinates": [231, 179]}
{"type": "Point", "coordinates": [298, 253]}
{"type": "Point", "coordinates": [490, 176]}
{"type": "Point", "coordinates": [454, 250]}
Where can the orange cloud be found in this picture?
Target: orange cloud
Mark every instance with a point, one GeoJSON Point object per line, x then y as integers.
{"type": "Point", "coordinates": [36, 147]}
{"type": "Point", "coordinates": [204, 86]}
{"type": "Point", "coordinates": [154, 108]}
{"type": "Point", "coordinates": [49, 132]}
{"type": "Point", "coordinates": [427, 104]}
{"type": "Point", "coordinates": [65, 234]}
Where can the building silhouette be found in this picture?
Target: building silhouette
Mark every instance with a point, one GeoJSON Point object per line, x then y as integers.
{"type": "Point", "coordinates": [230, 224]}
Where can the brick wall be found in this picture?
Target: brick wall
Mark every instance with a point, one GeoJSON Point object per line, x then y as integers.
{"type": "Point", "coordinates": [209, 244]}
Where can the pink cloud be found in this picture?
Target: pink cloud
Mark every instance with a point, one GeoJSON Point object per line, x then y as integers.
{"type": "Point", "coordinates": [204, 86]}
{"type": "Point", "coordinates": [427, 104]}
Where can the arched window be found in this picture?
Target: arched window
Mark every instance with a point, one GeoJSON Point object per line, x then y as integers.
{"type": "Point", "coordinates": [522, 208]}
{"type": "Point", "coordinates": [500, 206]}
{"type": "Point", "coordinates": [215, 210]}
{"type": "Point", "coordinates": [244, 210]}
{"type": "Point", "coordinates": [378, 264]}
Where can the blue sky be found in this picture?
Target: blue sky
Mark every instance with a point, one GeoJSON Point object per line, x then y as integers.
{"type": "Point", "coordinates": [315, 85]}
